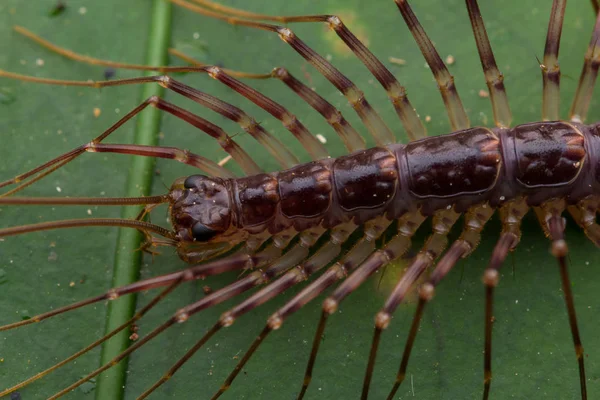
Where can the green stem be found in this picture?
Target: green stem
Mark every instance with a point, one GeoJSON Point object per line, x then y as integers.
{"type": "Point", "coordinates": [111, 384]}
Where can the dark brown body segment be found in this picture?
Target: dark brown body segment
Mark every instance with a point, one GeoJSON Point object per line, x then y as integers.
{"type": "Point", "coordinates": [539, 160]}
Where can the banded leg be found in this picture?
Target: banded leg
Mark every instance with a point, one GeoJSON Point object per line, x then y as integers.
{"type": "Point", "coordinates": [395, 91]}
{"type": "Point", "coordinates": [493, 77]}
{"type": "Point", "coordinates": [435, 245]}
{"type": "Point", "coordinates": [373, 122]}
{"type": "Point", "coordinates": [549, 215]}
{"type": "Point", "coordinates": [292, 257]}
{"type": "Point", "coordinates": [182, 156]}
{"type": "Point", "coordinates": [244, 260]}
{"type": "Point", "coordinates": [550, 67]}
{"type": "Point", "coordinates": [456, 112]}
{"type": "Point", "coordinates": [294, 271]}
{"type": "Point", "coordinates": [584, 214]}
{"type": "Point", "coordinates": [351, 138]}
{"type": "Point", "coordinates": [587, 80]}
{"type": "Point", "coordinates": [396, 247]}
{"type": "Point", "coordinates": [248, 124]}
{"type": "Point", "coordinates": [511, 215]}
{"type": "Point", "coordinates": [366, 245]}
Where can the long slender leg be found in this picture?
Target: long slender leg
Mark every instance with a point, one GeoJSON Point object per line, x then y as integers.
{"type": "Point", "coordinates": [333, 116]}
{"type": "Point", "coordinates": [549, 215]}
{"type": "Point", "coordinates": [281, 153]}
{"type": "Point", "coordinates": [456, 112]}
{"type": "Point", "coordinates": [352, 139]}
{"type": "Point", "coordinates": [550, 67]}
{"type": "Point", "coordinates": [290, 262]}
{"type": "Point", "coordinates": [292, 257]}
{"type": "Point", "coordinates": [396, 92]}
{"type": "Point", "coordinates": [511, 215]}
{"type": "Point", "coordinates": [435, 245]}
{"type": "Point", "coordinates": [138, 315]}
{"type": "Point", "coordinates": [587, 80]}
{"type": "Point", "coordinates": [493, 77]}
{"type": "Point", "coordinates": [376, 126]}
{"type": "Point", "coordinates": [356, 255]}
{"type": "Point", "coordinates": [163, 152]}
{"type": "Point", "coordinates": [395, 248]}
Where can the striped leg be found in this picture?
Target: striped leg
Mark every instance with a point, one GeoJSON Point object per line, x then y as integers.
{"type": "Point", "coordinates": [373, 122]}
{"type": "Point", "coordinates": [550, 216]}
{"type": "Point", "coordinates": [435, 245]}
{"type": "Point", "coordinates": [350, 137]}
{"type": "Point", "coordinates": [550, 68]}
{"type": "Point", "coordinates": [182, 156]}
{"type": "Point", "coordinates": [395, 248]}
{"type": "Point", "coordinates": [280, 264]}
{"type": "Point", "coordinates": [396, 92]}
{"type": "Point", "coordinates": [587, 80]}
{"type": "Point", "coordinates": [511, 215]}
{"type": "Point", "coordinates": [584, 214]}
{"type": "Point", "coordinates": [493, 77]}
{"type": "Point", "coordinates": [456, 112]}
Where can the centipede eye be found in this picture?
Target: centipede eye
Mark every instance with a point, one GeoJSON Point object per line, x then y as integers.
{"type": "Point", "coordinates": [192, 181]}
{"type": "Point", "coordinates": [202, 233]}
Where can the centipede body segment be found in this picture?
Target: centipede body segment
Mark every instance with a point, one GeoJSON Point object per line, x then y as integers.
{"type": "Point", "coordinates": [342, 219]}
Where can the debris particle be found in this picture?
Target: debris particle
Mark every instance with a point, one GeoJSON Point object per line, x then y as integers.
{"type": "Point", "coordinates": [450, 60]}
{"type": "Point", "coordinates": [82, 10]}
{"type": "Point", "coordinates": [71, 284]}
{"type": "Point", "coordinates": [58, 9]}
{"type": "Point", "coordinates": [321, 138]}
{"type": "Point", "coordinates": [109, 73]}
{"type": "Point", "coordinates": [428, 118]}
{"type": "Point", "coordinates": [133, 337]}
{"type": "Point", "coordinates": [39, 62]}
{"type": "Point", "coordinates": [207, 289]}
{"type": "Point", "coordinates": [224, 161]}
{"type": "Point", "coordinates": [52, 256]}
{"type": "Point", "coordinates": [397, 61]}
{"type": "Point", "coordinates": [97, 112]}
{"type": "Point", "coordinates": [483, 93]}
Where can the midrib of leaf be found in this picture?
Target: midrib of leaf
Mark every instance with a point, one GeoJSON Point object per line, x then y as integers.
{"type": "Point", "coordinates": [111, 383]}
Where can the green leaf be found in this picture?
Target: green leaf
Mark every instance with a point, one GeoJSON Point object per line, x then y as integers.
{"type": "Point", "coordinates": [533, 355]}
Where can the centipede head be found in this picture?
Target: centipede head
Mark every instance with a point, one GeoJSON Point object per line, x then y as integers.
{"type": "Point", "coordinates": [200, 210]}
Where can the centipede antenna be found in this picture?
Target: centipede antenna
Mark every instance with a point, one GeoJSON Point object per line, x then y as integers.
{"type": "Point", "coordinates": [493, 77]}
{"type": "Point", "coordinates": [78, 223]}
{"type": "Point", "coordinates": [97, 201]}
{"type": "Point", "coordinates": [587, 80]}
{"type": "Point", "coordinates": [550, 67]}
{"type": "Point", "coordinates": [372, 121]}
{"type": "Point", "coordinates": [434, 246]}
{"type": "Point", "coordinates": [456, 112]}
{"type": "Point", "coordinates": [138, 315]}
{"type": "Point", "coordinates": [396, 92]}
